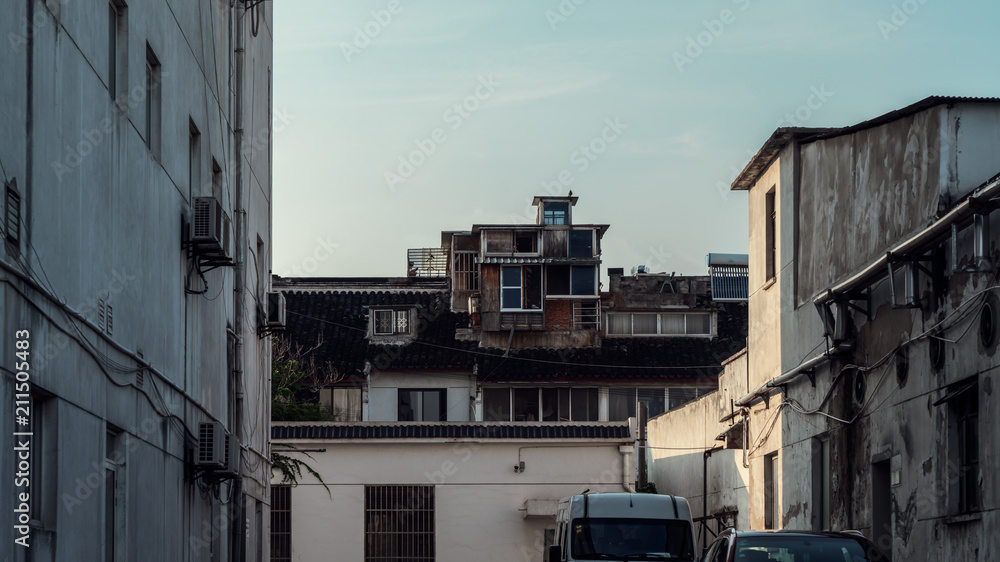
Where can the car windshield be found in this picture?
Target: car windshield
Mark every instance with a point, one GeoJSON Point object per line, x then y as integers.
{"type": "Point", "coordinates": [815, 548]}
{"type": "Point", "coordinates": [600, 538]}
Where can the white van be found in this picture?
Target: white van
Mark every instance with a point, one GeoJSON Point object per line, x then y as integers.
{"type": "Point", "coordinates": [623, 527]}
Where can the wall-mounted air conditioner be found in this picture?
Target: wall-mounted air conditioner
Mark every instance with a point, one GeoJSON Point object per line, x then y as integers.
{"type": "Point", "coordinates": [211, 453]}
{"type": "Point", "coordinates": [210, 228]}
{"type": "Point", "coordinates": [276, 310]}
{"type": "Point", "coordinates": [231, 463]}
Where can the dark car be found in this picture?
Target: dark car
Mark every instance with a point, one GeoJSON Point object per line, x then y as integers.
{"type": "Point", "coordinates": [791, 546]}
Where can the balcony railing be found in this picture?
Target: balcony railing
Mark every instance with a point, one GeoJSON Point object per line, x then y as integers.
{"type": "Point", "coordinates": [587, 315]}
{"type": "Point", "coordinates": [426, 262]}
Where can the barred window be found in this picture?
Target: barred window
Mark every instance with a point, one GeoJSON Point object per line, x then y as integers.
{"type": "Point", "coordinates": [391, 322]}
{"type": "Point", "coordinates": [281, 523]}
{"type": "Point", "coordinates": [399, 523]}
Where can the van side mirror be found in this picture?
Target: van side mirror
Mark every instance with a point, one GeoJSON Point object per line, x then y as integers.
{"type": "Point", "coordinates": [555, 553]}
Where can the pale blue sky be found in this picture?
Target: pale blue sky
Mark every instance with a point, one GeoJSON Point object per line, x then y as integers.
{"type": "Point", "coordinates": [688, 121]}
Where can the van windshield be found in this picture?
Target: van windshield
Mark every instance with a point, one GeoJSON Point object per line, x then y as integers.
{"type": "Point", "coordinates": [600, 538]}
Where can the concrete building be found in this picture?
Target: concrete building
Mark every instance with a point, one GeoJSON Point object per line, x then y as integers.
{"type": "Point", "coordinates": [425, 364]}
{"type": "Point", "coordinates": [135, 152]}
{"type": "Point", "coordinates": [871, 352]}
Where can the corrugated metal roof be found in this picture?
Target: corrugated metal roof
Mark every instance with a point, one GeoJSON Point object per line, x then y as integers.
{"type": "Point", "coordinates": [411, 430]}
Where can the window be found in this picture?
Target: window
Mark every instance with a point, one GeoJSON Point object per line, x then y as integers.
{"type": "Point", "coordinates": [678, 396]}
{"type": "Point", "coordinates": [194, 158]}
{"type": "Point", "coordinates": [399, 523]}
{"type": "Point", "coordinates": [770, 491]}
{"type": "Point", "coordinates": [575, 280]}
{"type": "Point", "coordinates": [390, 322]}
{"type": "Point", "coordinates": [12, 223]}
{"type": "Point", "coordinates": [112, 50]}
{"type": "Point", "coordinates": [581, 243]}
{"type": "Point", "coordinates": [216, 180]}
{"type": "Point", "coordinates": [963, 446]}
{"type": "Point", "coordinates": [583, 280]}
{"type": "Point", "coordinates": [281, 523]}
{"type": "Point", "coordinates": [422, 405]}
{"type": "Point", "coordinates": [153, 102]}
{"type": "Point", "coordinates": [653, 398]}
{"type": "Point", "coordinates": [466, 271]}
{"type": "Point", "coordinates": [343, 403]}
{"type": "Point", "coordinates": [664, 324]}
{"type": "Point", "coordinates": [521, 287]}
{"type": "Point", "coordinates": [525, 404]}
{"type": "Point", "coordinates": [114, 504]}
{"type": "Point", "coordinates": [821, 484]}
{"type": "Point", "coordinates": [526, 242]}
{"type": "Point", "coordinates": [556, 212]}
{"type": "Point", "coordinates": [545, 404]}
{"type": "Point", "coordinates": [496, 404]}
{"type": "Point", "coordinates": [770, 245]}
{"type": "Point", "coordinates": [621, 403]}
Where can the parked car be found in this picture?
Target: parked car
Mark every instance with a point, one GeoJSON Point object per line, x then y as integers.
{"type": "Point", "coordinates": [624, 527]}
{"type": "Point", "coordinates": [791, 546]}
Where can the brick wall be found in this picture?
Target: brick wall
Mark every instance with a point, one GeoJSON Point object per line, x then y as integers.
{"type": "Point", "coordinates": [558, 315]}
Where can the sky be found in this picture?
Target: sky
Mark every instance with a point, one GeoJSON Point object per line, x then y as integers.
{"type": "Point", "coordinates": [398, 119]}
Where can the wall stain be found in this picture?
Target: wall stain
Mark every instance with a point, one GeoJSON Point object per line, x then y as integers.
{"type": "Point", "coordinates": [905, 517]}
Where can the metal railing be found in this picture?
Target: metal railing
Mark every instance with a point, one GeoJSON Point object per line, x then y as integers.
{"type": "Point", "coordinates": [426, 262]}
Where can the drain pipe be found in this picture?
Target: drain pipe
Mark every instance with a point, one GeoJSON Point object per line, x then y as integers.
{"type": "Point", "coordinates": [787, 377]}
{"type": "Point", "coordinates": [704, 495]}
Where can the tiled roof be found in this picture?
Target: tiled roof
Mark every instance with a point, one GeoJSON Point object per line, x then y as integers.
{"type": "Point", "coordinates": [456, 430]}
{"type": "Point", "coordinates": [339, 320]}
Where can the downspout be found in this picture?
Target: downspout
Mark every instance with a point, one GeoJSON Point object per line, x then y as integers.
{"type": "Point", "coordinates": [704, 495]}
{"type": "Point", "coordinates": [238, 282]}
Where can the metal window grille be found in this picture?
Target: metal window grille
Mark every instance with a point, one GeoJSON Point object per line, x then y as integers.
{"type": "Point", "coordinates": [13, 225]}
{"type": "Point", "coordinates": [466, 271]}
{"type": "Point", "coordinates": [586, 315]}
{"type": "Point", "coordinates": [281, 523]}
{"type": "Point", "coordinates": [967, 409]}
{"type": "Point", "coordinates": [399, 523]}
{"type": "Point", "coordinates": [390, 322]}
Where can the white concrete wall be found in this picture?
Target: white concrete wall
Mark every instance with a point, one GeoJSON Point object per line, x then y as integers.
{"type": "Point", "coordinates": [677, 443]}
{"type": "Point", "coordinates": [478, 496]}
{"type": "Point", "coordinates": [102, 219]}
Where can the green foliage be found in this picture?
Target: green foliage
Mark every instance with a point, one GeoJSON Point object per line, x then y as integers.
{"type": "Point", "coordinates": [291, 468]}
{"type": "Point", "coordinates": [293, 391]}
{"type": "Point", "coordinates": [648, 488]}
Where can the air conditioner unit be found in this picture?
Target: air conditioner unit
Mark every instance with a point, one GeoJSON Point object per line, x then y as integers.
{"type": "Point", "coordinates": [231, 463]}
{"type": "Point", "coordinates": [276, 310]}
{"type": "Point", "coordinates": [211, 452]}
{"type": "Point", "coordinates": [210, 228]}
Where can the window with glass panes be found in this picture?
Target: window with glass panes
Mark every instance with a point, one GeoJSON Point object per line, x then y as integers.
{"type": "Point", "coordinates": [659, 324]}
